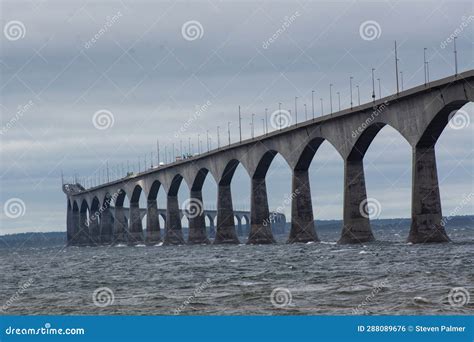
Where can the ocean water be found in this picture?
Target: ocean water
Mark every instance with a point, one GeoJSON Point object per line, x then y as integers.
{"type": "Point", "coordinates": [384, 277]}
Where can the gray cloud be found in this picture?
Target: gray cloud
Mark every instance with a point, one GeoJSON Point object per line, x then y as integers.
{"type": "Point", "coordinates": [151, 79]}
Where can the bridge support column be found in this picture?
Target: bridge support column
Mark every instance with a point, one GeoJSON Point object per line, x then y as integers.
{"type": "Point", "coordinates": [356, 223]}
{"type": "Point", "coordinates": [69, 225]}
{"type": "Point", "coordinates": [197, 223]}
{"type": "Point", "coordinates": [153, 234]}
{"type": "Point", "coordinates": [260, 226]}
{"type": "Point", "coordinates": [94, 228]}
{"type": "Point", "coordinates": [240, 232]}
{"type": "Point", "coordinates": [212, 228]}
{"type": "Point", "coordinates": [106, 224]}
{"type": "Point", "coordinates": [426, 216]}
{"type": "Point", "coordinates": [302, 219]}
{"type": "Point", "coordinates": [75, 228]}
{"type": "Point", "coordinates": [84, 234]}
{"type": "Point", "coordinates": [120, 225]}
{"type": "Point", "coordinates": [173, 231]}
{"type": "Point", "coordinates": [136, 227]}
{"type": "Point", "coordinates": [225, 217]}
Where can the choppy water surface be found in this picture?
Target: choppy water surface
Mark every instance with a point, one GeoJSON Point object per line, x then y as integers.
{"type": "Point", "coordinates": [385, 277]}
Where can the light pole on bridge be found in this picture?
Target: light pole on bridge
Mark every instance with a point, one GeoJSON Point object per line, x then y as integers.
{"type": "Point", "coordinates": [350, 87]}
{"type": "Point", "coordinates": [266, 120]}
{"type": "Point", "coordinates": [296, 109]}
{"type": "Point", "coordinates": [455, 58]}
{"type": "Point", "coordinates": [373, 85]}
{"type": "Point", "coordinates": [396, 66]}
{"type": "Point", "coordinates": [279, 115]}
{"type": "Point", "coordinates": [358, 94]}
{"type": "Point", "coordinates": [240, 125]}
{"type": "Point", "coordinates": [312, 102]}
{"type": "Point", "coordinates": [330, 97]}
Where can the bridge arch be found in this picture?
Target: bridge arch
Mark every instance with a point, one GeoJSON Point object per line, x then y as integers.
{"type": "Point", "coordinates": [173, 228]}
{"type": "Point", "coordinates": [121, 218]}
{"type": "Point", "coordinates": [427, 219]}
{"type": "Point", "coordinates": [136, 226]}
{"type": "Point", "coordinates": [153, 227]}
{"type": "Point", "coordinates": [437, 124]}
{"type": "Point", "coordinates": [260, 229]}
{"type": "Point", "coordinates": [225, 227]}
{"type": "Point", "coordinates": [366, 137]}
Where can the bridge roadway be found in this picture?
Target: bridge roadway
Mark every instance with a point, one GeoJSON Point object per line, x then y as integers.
{"type": "Point", "coordinates": [419, 114]}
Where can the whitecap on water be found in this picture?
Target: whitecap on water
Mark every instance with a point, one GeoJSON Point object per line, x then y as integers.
{"type": "Point", "coordinates": [159, 244]}
{"type": "Point", "coordinates": [328, 242]}
{"type": "Point", "coordinates": [120, 245]}
{"type": "Point", "coordinates": [140, 245]}
{"type": "Point", "coordinates": [363, 252]}
{"type": "Point", "coordinates": [309, 242]}
{"type": "Point", "coordinates": [420, 300]}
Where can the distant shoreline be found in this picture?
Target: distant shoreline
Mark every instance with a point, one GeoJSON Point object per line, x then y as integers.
{"type": "Point", "coordinates": [45, 239]}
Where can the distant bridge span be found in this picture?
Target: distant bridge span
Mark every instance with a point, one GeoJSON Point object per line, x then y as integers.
{"type": "Point", "coordinates": [418, 114]}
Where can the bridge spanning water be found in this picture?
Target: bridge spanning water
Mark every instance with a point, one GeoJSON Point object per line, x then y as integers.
{"type": "Point", "coordinates": [419, 114]}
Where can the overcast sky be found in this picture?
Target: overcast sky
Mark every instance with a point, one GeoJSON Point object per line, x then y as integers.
{"type": "Point", "coordinates": [151, 75]}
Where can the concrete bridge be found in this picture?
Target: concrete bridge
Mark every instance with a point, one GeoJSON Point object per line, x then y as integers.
{"type": "Point", "coordinates": [419, 114]}
{"type": "Point", "coordinates": [278, 220]}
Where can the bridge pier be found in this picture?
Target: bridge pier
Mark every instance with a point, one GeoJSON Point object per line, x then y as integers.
{"type": "Point", "coordinates": [197, 222]}
{"type": "Point", "coordinates": [260, 226]}
{"type": "Point", "coordinates": [120, 225]}
{"type": "Point", "coordinates": [75, 227]}
{"type": "Point", "coordinates": [302, 220]}
{"type": "Point", "coordinates": [225, 232]}
{"type": "Point", "coordinates": [212, 228]}
{"type": "Point", "coordinates": [426, 216]}
{"type": "Point", "coordinates": [83, 237]}
{"type": "Point", "coordinates": [153, 234]}
{"type": "Point", "coordinates": [356, 225]}
{"type": "Point", "coordinates": [69, 225]}
{"type": "Point", "coordinates": [106, 224]}
{"type": "Point", "coordinates": [173, 231]}
{"type": "Point", "coordinates": [240, 232]}
{"type": "Point", "coordinates": [136, 228]}
{"type": "Point", "coordinates": [94, 228]}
